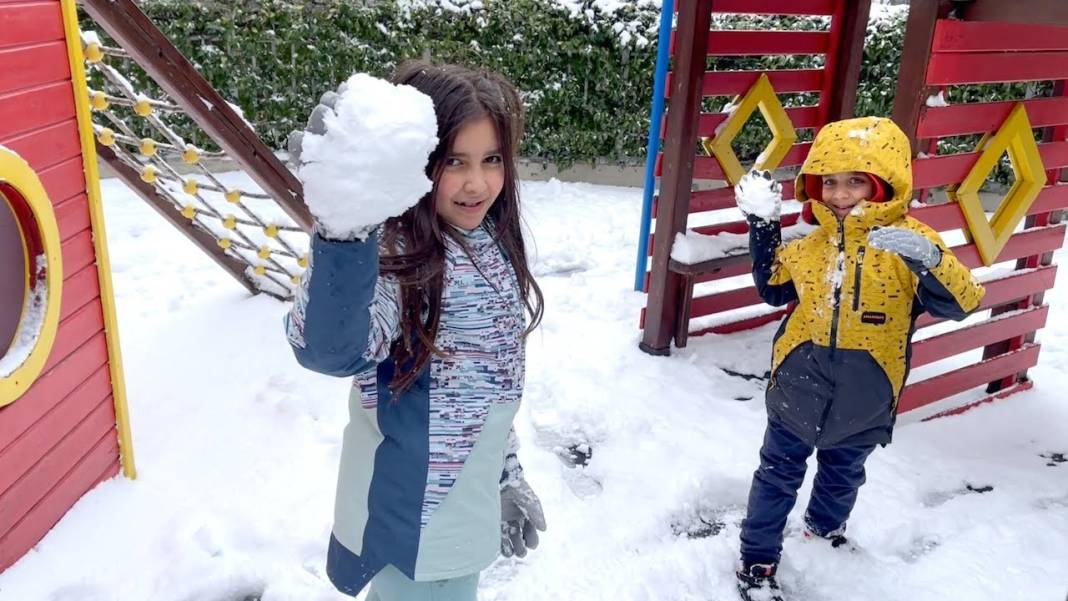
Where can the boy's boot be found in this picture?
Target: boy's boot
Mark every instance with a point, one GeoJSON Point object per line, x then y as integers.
{"type": "Point", "coordinates": [756, 582]}
{"type": "Point", "coordinates": [836, 538]}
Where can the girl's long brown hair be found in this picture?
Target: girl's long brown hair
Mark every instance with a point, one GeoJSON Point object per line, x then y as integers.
{"type": "Point", "coordinates": [417, 237]}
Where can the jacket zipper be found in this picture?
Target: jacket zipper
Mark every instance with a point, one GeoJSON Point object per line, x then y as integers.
{"type": "Point", "coordinates": [837, 289]}
{"type": "Point", "coordinates": [856, 279]}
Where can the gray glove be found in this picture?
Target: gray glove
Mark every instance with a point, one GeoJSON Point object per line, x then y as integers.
{"type": "Point", "coordinates": [316, 123]}
{"type": "Point", "coordinates": [521, 518]}
{"type": "Point", "coordinates": [918, 252]}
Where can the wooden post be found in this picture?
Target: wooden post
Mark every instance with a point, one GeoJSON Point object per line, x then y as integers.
{"type": "Point", "coordinates": [839, 95]}
{"type": "Point", "coordinates": [680, 143]}
{"type": "Point", "coordinates": [133, 30]}
{"type": "Point", "coordinates": [912, 90]}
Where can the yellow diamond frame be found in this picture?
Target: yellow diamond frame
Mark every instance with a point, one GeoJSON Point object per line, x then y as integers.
{"type": "Point", "coordinates": [783, 135]}
{"type": "Point", "coordinates": [1016, 138]}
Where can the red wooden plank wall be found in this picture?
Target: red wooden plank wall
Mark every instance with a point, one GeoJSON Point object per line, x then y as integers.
{"type": "Point", "coordinates": [731, 83]}
{"type": "Point", "coordinates": [59, 439]}
{"type": "Point", "coordinates": [963, 53]}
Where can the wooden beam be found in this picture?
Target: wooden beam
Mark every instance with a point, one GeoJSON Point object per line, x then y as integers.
{"type": "Point", "coordinates": [1045, 12]}
{"type": "Point", "coordinates": [839, 96]}
{"type": "Point", "coordinates": [680, 140]}
{"type": "Point", "coordinates": [912, 93]}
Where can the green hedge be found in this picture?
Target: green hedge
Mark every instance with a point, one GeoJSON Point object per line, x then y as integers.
{"type": "Point", "coordinates": [586, 77]}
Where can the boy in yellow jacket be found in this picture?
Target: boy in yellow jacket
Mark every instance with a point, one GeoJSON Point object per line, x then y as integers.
{"type": "Point", "coordinates": [840, 359]}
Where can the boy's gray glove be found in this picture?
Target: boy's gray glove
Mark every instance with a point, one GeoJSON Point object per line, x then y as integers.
{"type": "Point", "coordinates": [759, 195]}
{"type": "Point", "coordinates": [521, 518]}
{"type": "Point", "coordinates": [916, 249]}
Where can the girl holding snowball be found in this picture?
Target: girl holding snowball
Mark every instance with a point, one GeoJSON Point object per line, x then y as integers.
{"type": "Point", "coordinates": [418, 287]}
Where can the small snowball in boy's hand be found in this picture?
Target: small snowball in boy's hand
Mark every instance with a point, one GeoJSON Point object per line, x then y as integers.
{"type": "Point", "coordinates": [759, 195]}
{"type": "Point", "coordinates": [363, 157]}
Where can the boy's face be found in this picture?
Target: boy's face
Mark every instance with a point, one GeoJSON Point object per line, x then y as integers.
{"type": "Point", "coordinates": [472, 176]}
{"type": "Point", "coordinates": [842, 191]}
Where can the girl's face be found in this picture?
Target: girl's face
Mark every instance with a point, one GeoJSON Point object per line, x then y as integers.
{"type": "Point", "coordinates": [472, 176]}
{"type": "Point", "coordinates": [842, 191]}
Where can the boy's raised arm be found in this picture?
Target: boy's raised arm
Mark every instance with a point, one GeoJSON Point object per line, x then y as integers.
{"type": "Point", "coordinates": [760, 198]}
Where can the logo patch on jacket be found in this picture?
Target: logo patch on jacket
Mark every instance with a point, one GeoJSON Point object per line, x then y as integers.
{"type": "Point", "coordinates": [873, 317]}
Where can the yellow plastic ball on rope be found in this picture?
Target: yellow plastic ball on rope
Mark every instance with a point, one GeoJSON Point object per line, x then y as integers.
{"type": "Point", "coordinates": [106, 137]}
{"type": "Point", "coordinates": [147, 147]}
{"type": "Point", "coordinates": [189, 211]}
{"type": "Point", "coordinates": [148, 174]}
{"type": "Point", "coordinates": [264, 252]}
{"type": "Point", "coordinates": [143, 108]}
{"type": "Point", "coordinates": [260, 270]}
{"type": "Point", "coordinates": [230, 222]}
{"type": "Point", "coordinates": [233, 196]}
{"type": "Point", "coordinates": [224, 243]}
{"type": "Point", "coordinates": [295, 279]}
{"type": "Point", "coordinates": [191, 155]}
{"type": "Point", "coordinates": [98, 100]}
{"type": "Point", "coordinates": [271, 231]}
{"type": "Point", "coordinates": [303, 262]}
{"type": "Point", "coordinates": [190, 186]}
{"type": "Point", "coordinates": [94, 53]}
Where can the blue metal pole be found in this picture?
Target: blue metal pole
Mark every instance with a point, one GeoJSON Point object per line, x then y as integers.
{"type": "Point", "coordinates": [667, 14]}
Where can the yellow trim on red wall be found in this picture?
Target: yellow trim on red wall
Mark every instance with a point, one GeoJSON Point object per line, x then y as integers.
{"type": "Point", "coordinates": [15, 172]}
{"type": "Point", "coordinates": [96, 212]}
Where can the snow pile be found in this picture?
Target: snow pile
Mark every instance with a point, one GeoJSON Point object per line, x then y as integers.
{"type": "Point", "coordinates": [33, 315]}
{"type": "Point", "coordinates": [759, 195]}
{"type": "Point", "coordinates": [370, 164]}
{"type": "Point", "coordinates": [693, 247]}
{"type": "Point", "coordinates": [937, 100]}
{"type": "Point", "coordinates": [859, 133]}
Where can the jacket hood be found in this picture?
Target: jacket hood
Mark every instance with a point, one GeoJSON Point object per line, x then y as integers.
{"type": "Point", "coordinates": [872, 145]}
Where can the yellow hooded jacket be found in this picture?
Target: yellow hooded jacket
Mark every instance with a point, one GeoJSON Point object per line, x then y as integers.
{"type": "Point", "coordinates": [840, 359]}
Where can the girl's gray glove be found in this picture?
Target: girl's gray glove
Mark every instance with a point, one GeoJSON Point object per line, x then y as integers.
{"type": "Point", "coordinates": [363, 156]}
{"type": "Point", "coordinates": [521, 518]}
{"type": "Point", "coordinates": [916, 249]}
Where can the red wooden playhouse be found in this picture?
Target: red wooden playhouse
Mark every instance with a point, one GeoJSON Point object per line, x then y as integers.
{"type": "Point", "coordinates": [949, 46]}
{"type": "Point", "coordinates": [63, 420]}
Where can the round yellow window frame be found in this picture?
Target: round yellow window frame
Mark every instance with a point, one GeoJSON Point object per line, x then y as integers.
{"type": "Point", "coordinates": [17, 174]}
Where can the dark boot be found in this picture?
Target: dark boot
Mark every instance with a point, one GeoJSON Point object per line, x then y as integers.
{"type": "Point", "coordinates": [836, 539]}
{"type": "Point", "coordinates": [756, 582]}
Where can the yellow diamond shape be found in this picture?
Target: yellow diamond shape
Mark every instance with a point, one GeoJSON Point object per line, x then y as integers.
{"type": "Point", "coordinates": [761, 96]}
{"type": "Point", "coordinates": [1015, 137]}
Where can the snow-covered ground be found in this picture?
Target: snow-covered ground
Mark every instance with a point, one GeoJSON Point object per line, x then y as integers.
{"type": "Point", "coordinates": [237, 449]}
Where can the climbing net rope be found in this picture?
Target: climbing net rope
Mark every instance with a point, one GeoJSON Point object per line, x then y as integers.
{"type": "Point", "coordinates": [246, 223]}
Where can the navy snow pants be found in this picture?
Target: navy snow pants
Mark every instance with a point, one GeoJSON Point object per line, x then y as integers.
{"type": "Point", "coordinates": [774, 491]}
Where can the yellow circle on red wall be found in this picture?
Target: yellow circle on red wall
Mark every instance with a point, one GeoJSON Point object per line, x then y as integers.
{"type": "Point", "coordinates": [22, 191]}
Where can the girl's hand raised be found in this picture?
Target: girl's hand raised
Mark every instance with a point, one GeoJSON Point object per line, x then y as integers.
{"type": "Point", "coordinates": [363, 156]}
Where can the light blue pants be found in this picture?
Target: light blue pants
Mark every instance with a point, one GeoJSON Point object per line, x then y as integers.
{"type": "Point", "coordinates": [391, 585]}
